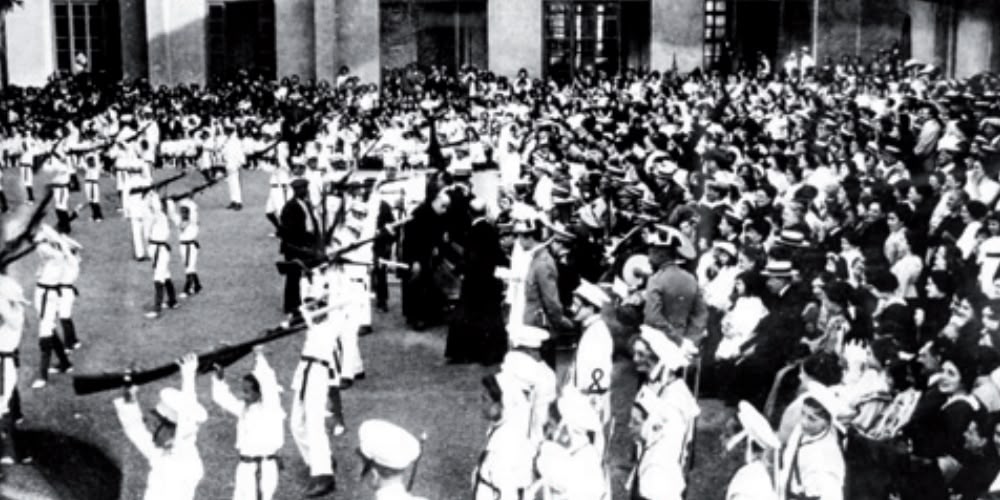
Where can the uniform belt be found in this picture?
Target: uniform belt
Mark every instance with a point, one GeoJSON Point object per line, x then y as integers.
{"type": "Point", "coordinates": [310, 359]}
{"type": "Point", "coordinates": [594, 392]}
{"type": "Point", "coordinates": [257, 458]}
{"type": "Point", "coordinates": [48, 287]}
{"type": "Point", "coordinates": [191, 242]}
{"type": "Point", "coordinates": [92, 181]}
{"type": "Point", "coordinates": [160, 243]}
{"type": "Point", "coordinates": [60, 184]}
{"type": "Point", "coordinates": [15, 355]}
{"type": "Point", "coordinates": [72, 287]}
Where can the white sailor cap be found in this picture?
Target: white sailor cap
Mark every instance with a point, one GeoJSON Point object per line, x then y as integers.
{"type": "Point", "coordinates": [592, 293]}
{"type": "Point", "coordinates": [755, 428]}
{"type": "Point", "coordinates": [11, 290]}
{"type": "Point", "coordinates": [174, 403]}
{"type": "Point", "coordinates": [670, 354]}
{"type": "Point", "coordinates": [576, 413]}
{"type": "Point", "coordinates": [828, 400]}
{"type": "Point", "coordinates": [527, 336]}
{"type": "Point", "coordinates": [387, 444]}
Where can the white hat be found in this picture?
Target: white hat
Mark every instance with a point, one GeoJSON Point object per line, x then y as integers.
{"type": "Point", "coordinates": [670, 354]}
{"type": "Point", "coordinates": [520, 368]}
{"type": "Point", "coordinates": [387, 444]}
{"type": "Point", "coordinates": [527, 336]}
{"type": "Point", "coordinates": [665, 236]}
{"type": "Point", "coordinates": [778, 269]}
{"type": "Point", "coordinates": [828, 400]}
{"type": "Point", "coordinates": [174, 403]}
{"type": "Point", "coordinates": [725, 246]}
{"type": "Point", "coordinates": [592, 293]}
{"type": "Point", "coordinates": [11, 290]}
{"type": "Point", "coordinates": [636, 268]}
{"type": "Point", "coordinates": [755, 428]}
{"type": "Point", "coordinates": [576, 412]}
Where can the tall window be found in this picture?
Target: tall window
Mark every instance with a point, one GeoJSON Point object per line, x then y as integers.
{"type": "Point", "coordinates": [240, 36]}
{"type": "Point", "coordinates": [608, 36]}
{"type": "Point", "coordinates": [715, 31]}
{"type": "Point", "coordinates": [85, 33]}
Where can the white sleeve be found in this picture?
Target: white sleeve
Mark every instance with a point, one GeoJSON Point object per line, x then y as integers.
{"type": "Point", "coordinates": [224, 397]}
{"type": "Point", "coordinates": [135, 429]}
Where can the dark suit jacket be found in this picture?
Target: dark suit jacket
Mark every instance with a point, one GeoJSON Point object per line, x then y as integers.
{"type": "Point", "coordinates": [296, 242]}
{"type": "Point", "coordinates": [542, 307]}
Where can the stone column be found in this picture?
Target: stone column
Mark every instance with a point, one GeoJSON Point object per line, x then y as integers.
{"type": "Point", "coordinates": [514, 36]}
{"type": "Point", "coordinates": [358, 40]}
{"type": "Point", "coordinates": [677, 32]}
{"type": "Point", "coordinates": [295, 41]}
{"type": "Point", "coordinates": [131, 21]}
{"type": "Point", "coordinates": [175, 34]}
{"type": "Point", "coordinates": [325, 27]}
{"type": "Point", "coordinates": [926, 43]}
{"type": "Point", "coordinates": [30, 40]}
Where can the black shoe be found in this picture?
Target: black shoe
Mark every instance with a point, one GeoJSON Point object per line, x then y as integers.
{"type": "Point", "coordinates": [359, 376]}
{"type": "Point", "coordinates": [346, 383]}
{"type": "Point", "coordinates": [365, 330]}
{"type": "Point", "coordinates": [321, 486]}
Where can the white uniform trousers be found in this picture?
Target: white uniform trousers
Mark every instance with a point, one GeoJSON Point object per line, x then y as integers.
{"type": "Point", "coordinates": [140, 246]}
{"type": "Point", "coordinates": [189, 251]}
{"type": "Point", "coordinates": [93, 188]}
{"type": "Point", "coordinates": [67, 298]}
{"type": "Point", "coordinates": [308, 419]}
{"type": "Point", "coordinates": [60, 196]}
{"type": "Point", "coordinates": [161, 261]}
{"type": "Point", "coordinates": [8, 380]}
{"type": "Point", "coordinates": [350, 348]}
{"type": "Point", "coordinates": [277, 196]}
{"type": "Point", "coordinates": [233, 183]}
{"type": "Point", "coordinates": [47, 298]}
{"type": "Point", "coordinates": [256, 478]}
{"type": "Point", "coordinates": [27, 176]}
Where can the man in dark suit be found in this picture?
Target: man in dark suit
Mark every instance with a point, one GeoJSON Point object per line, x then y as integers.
{"type": "Point", "coordinates": [299, 240]}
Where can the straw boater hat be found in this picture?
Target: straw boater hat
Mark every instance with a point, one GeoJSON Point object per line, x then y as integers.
{"type": "Point", "coordinates": [527, 336]}
{"type": "Point", "coordinates": [592, 294]}
{"type": "Point", "coordinates": [778, 269]}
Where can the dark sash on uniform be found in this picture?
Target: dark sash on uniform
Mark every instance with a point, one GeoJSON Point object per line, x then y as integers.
{"type": "Point", "coordinates": [305, 374]}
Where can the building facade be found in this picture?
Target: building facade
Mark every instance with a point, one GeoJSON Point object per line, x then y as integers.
{"type": "Point", "coordinates": [200, 41]}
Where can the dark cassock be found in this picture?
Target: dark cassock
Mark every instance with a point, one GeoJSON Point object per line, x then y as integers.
{"type": "Point", "coordinates": [477, 333]}
{"type": "Point", "coordinates": [299, 241]}
{"type": "Point", "coordinates": [423, 301]}
{"type": "Point", "coordinates": [382, 248]}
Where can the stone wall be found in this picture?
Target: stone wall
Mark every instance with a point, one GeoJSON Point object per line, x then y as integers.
{"type": "Point", "coordinates": [295, 39]}
{"type": "Point", "coordinates": [358, 38]}
{"type": "Point", "coordinates": [976, 35]}
{"type": "Point", "coordinates": [175, 37]}
{"type": "Point", "coordinates": [30, 51]}
{"type": "Point", "coordinates": [515, 36]}
{"type": "Point", "coordinates": [324, 27]}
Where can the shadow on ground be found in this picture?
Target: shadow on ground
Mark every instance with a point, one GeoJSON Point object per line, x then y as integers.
{"type": "Point", "coordinates": [64, 468]}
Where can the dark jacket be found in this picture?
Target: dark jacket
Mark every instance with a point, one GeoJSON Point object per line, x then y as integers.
{"type": "Point", "coordinates": [296, 241]}
{"type": "Point", "coordinates": [542, 306]}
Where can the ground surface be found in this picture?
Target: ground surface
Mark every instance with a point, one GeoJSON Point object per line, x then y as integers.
{"type": "Point", "coordinates": [407, 382]}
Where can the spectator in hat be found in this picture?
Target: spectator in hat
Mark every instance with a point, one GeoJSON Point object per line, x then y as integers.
{"type": "Point", "coordinates": [755, 478]}
{"type": "Point", "coordinates": [812, 460]}
{"type": "Point", "coordinates": [592, 362]}
{"type": "Point", "coordinates": [673, 300]}
{"type": "Point", "coordinates": [776, 339]}
{"type": "Point", "coordinates": [300, 240]}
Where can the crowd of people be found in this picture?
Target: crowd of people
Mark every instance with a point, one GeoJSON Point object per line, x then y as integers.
{"type": "Point", "coordinates": [818, 247]}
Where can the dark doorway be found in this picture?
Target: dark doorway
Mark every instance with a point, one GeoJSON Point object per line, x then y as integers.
{"type": "Point", "coordinates": [448, 33]}
{"type": "Point", "coordinates": [241, 37]}
{"type": "Point", "coordinates": [756, 31]}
